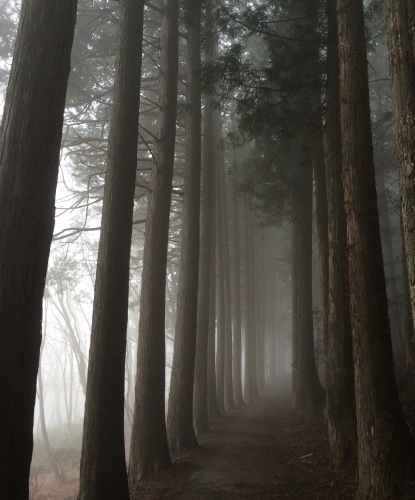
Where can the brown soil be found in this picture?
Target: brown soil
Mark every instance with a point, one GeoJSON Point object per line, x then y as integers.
{"type": "Point", "coordinates": [256, 452]}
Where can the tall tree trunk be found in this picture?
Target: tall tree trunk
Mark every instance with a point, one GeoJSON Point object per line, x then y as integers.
{"type": "Point", "coordinates": [340, 396]}
{"type": "Point", "coordinates": [224, 363]}
{"type": "Point", "coordinates": [200, 399]}
{"type": "Point", "coordinates": [251, 384]}
{"type": "Point", "coordinates": [384, 443]}
{"type": "Point", "coordinates": [44, 431]}
{"type": "Point", "coordinates": [401, 42]}
{"type": "Point", "coordinates": [319, 169]}
{"type": "Point", "coordinates": [103, 435]}
{"type": "Point", "coordinates": [57, 391]}
{"type": "Point", "coordinates": [389, 263]}
{"type": "Point", "coordinates": [42, 419]}
{"type": "Point", "coordinates": [407, 323]}
{"type": "Point", "coordinates": [228, 388]}
{"type": "Point", "coordinates": [236, 308]}
{"type": "Point", "coordinates": [220, 295]}
{"type": "Point", "coordinates": [205, 401]}
{"type": "Point", "coordinates": [31, 133]}
{"type": "Point", "coordinates": [149, 448]}
{"type": "Point", "coordinates": [260, 309]}
{"type": "Point", "coordinates": [275, 346]}
{"type": "Point", "coordinates": [68, 392]}
{"type": "Point", "coordinates": [213, 404]}
{"type": "Point", "coordinates": [180, 414]}
{"type": "Point", "coordinates": [279, 326]}
{"type": "Point", "coordinates": [307, 391]}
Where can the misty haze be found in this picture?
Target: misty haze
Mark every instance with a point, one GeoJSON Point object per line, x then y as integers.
{"type": "Point", "coordinates": [207, 249]}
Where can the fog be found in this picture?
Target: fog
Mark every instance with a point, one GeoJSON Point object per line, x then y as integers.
{"type": "Point", "coordinates": [251, 158]}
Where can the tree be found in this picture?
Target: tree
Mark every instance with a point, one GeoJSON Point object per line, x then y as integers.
{"type": "Point", "coordinates": [206, 259]}
{"type": "Point", "coordinates": [340, 397]}
{"type": "Point", "coordinates": [31, 133]}
{"type": "Point", "coordinates": [103, 469]}
{"type": "Point", "coordinates": [400, 25]}
{"type": "Point", "coordinates": [213, 400]}
{"type": "Point", "coordinates": [236, 305]}
{"type": "Point", "coordinates": [384, 443]}
{"type": "Point", "coordinates": [223, 254]}
{"type": "Point", "coordinates": [251, 383]}
{"type": "Point", "coordinates": [308, 394]}
{"type": "Point", "coordinates": [220, 281]}
{"type": "Point", "coordinates": [307, 391]}
{"type": "Point", "coordinates": [41, 399]}
{"type": "Point", "coordinates": [277, 110]}
{"type": "Point", "coordinates": [180, 414]}
{"type": "Point", "coordinates": [149, 448]}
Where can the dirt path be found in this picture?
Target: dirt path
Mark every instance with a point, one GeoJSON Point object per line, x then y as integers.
{"type": "Point", "coordinates": [255, 452]}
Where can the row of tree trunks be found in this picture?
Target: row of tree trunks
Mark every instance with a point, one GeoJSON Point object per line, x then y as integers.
{"type": "Point", "coordinates": [31, 133]}
{"type": "Point", "coordinates": [149, 447]}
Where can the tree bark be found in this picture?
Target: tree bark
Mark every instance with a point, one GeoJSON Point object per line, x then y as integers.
{"type": "Point", "coordinates": [237, 328]}
{"type": "Point", "coordinates": [400, 16]}
{"type": "Point", "coordinates": [200, 399]}
{"type": "Point", "coordinates": [224, 351]}
{"type": "Point", "coordinates": [308, 394]}
{"type": "Point", "coordinates": [389, 263]}
{"type": "Point", "coordinates": [228, 388]}
{"type": "Point", "coordinates": [251, 384]}
{"type": "Point", "coordinates": [340, 395]}
{"type": "Point", "coordinates": [213, 405]}
{"type": "Point", "coordinates": [384, 442]}
{"type": "Point", "coordinates": [180, 414]}
{"type": "Point", "coordinates": [258, 249]}
{"type": "Point", "coordinates": [149, 449]}
{"type": "Point", "coordinates": [407, 323]}
{"type": "Point", "coordinates": [320, 195]}
{"type": "Point", "coordinates": [103, 472]}
{"type": "Point", "coordinates": [220, 297]}
{"type": "Point", "coordinates": [31, 133]}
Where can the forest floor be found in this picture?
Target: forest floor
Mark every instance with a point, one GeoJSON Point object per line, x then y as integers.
{"type": "Point", "coordinates": [254, 452]}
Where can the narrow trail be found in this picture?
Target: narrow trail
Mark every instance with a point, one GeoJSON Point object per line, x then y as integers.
{"type": "Point", "coordinates": [256, 451]}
